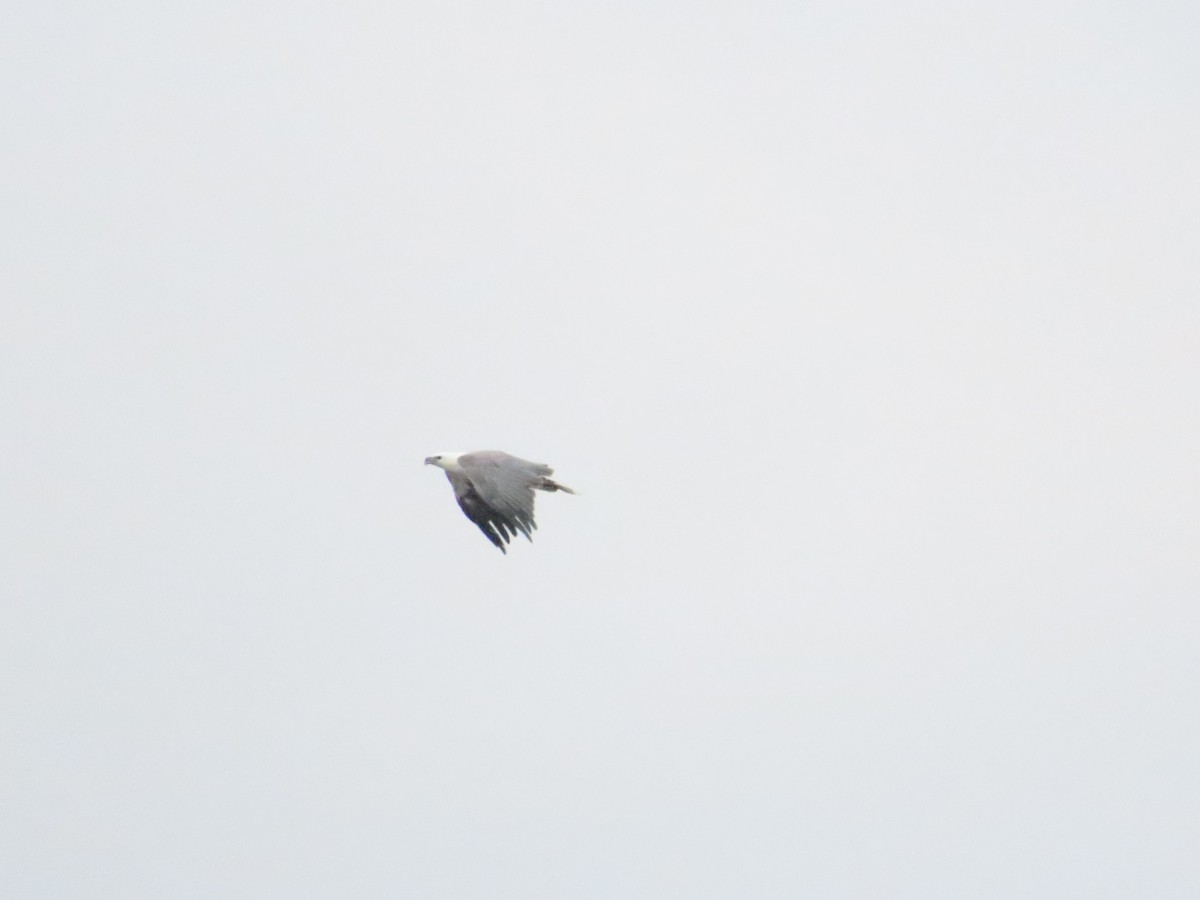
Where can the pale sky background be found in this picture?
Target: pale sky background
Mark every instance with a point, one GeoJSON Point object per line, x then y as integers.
{"type": "Point", "coordinates": [869, 333]}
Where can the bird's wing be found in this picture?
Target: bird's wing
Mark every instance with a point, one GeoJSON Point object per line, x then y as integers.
{"type": "Point", "coordinates": [505, 484]}
{"type": "Point", "coordinates": [495, 527]}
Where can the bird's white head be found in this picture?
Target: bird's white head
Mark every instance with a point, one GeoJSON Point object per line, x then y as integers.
{"type": "Point", "coordinates": [447, 461]}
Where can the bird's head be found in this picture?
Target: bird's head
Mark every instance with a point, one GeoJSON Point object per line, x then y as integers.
{"type": "Point", "coordinates": [446, 461]}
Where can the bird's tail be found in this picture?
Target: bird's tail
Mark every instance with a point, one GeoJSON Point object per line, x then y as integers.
{"type": "Point", "coordinates": [549, 484]}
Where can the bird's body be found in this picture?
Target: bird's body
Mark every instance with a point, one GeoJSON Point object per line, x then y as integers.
{"type": "Point", "coordinates": [495, 490]}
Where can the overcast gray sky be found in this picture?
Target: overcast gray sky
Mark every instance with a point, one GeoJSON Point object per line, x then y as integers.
{"type": "Point", "coordinates": [868, 333]}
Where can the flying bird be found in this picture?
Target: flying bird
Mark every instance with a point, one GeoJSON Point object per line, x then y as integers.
{"type": "Point", "coordinates": [495, 490]}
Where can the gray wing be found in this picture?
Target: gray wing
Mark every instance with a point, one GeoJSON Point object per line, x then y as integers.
{"type": "Point", "coordinates": [499, 494]}
{"type": "Point", "coordinates": [494, 526]}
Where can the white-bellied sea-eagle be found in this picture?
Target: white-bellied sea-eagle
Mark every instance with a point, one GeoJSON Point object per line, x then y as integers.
{"type": "Point", "coordinates": [495, 490]}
